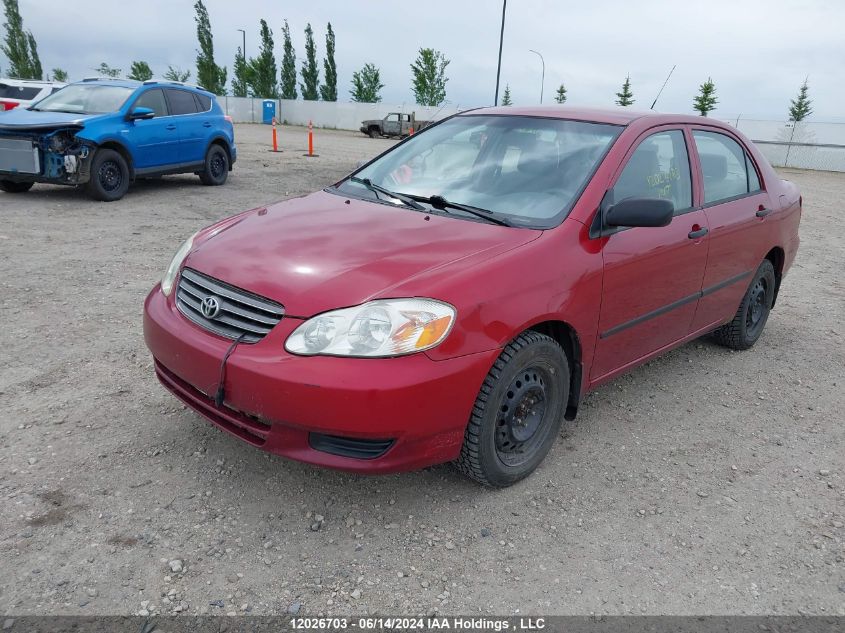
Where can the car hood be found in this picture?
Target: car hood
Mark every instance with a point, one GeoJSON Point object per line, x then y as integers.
{"type": "Point", "coordinates": [326, 251]}
{"type": "Point", "coordinates": [21, 118]}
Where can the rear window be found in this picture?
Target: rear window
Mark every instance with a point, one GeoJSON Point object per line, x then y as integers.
{"type": "Point", "coordinates": [181, 102]}
{"type": "Point", "coordinates": [23, 93]}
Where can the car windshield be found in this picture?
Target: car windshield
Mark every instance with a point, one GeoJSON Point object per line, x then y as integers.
{"type": "Point", "coordinates": [527, 171]}
{"type": "Point", "coordinates": [82, 99]}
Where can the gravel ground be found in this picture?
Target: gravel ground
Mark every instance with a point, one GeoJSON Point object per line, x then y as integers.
{"type": "Point", "coordinates": [704, 482]}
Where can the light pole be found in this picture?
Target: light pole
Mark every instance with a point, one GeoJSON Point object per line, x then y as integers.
{"type": "Point", "coordinates": [501, 39]}
{"type": "Point", "coordinates": [543, 76]}
{"type": "Point", "coordinates": [243, 50]}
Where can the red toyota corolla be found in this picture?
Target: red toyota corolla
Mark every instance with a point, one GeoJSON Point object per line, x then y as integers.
{"type": "Point", "coordinates": [455, 298]}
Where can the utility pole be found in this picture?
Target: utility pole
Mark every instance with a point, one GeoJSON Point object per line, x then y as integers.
{"type": "Point", "coordinates": [501, 39]}
{"type": "Point", "coordinates": [543, 76]}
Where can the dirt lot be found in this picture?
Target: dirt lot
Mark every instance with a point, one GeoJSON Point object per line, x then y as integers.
{"type": "Point", "coordinates": [705, 482]}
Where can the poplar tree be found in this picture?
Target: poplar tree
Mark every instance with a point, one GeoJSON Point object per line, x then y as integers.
{"type": "Point", "coordinates": [139, 71]}
{"type": "Point", "coordinates": [209, 75]}
{"type": "Point", "coordinates": [239, 75]}
{"type": "Point", "coordinates": [328, 91]}
{"type": "Point", "coordinates": [262, 70]}
{"type": "Point", "coordinates": [288, 65]}
{"type": "Point", "coordinates": [429, 77]}
{"type": "Point", "coordinates": [366, 84]}
{"type": "Point", "coordinates": [19, 46]}
{"type": "Point", "coordinates": [309, 71]}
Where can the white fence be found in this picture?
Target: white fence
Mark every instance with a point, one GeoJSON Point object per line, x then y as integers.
{"type": "Point", "coordinates": [326, 114]}
{"type": "Point", "coordinates": [806, 145]}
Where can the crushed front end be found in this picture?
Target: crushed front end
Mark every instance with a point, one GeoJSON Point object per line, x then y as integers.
{"type": "Point", "coordinates": [52, 155]}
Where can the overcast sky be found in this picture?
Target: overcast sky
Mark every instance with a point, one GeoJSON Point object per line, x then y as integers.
{"type": "Point", "coordinates": [757, 51]}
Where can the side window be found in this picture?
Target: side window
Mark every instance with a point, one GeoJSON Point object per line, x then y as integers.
{"type": "Point", "coordinates": [181, 101]}
{"type": "Point", "coordinates": [203, 102]}
{"type": "Point", "coordinates": [724, 166]}
{"type": "Point", "coordinates": [658, 168]}
{"type": "Point", "coordinates": [154, 100]}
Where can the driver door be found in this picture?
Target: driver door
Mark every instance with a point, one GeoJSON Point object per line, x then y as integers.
{"type": "Point", "coordinates": [652, 275]}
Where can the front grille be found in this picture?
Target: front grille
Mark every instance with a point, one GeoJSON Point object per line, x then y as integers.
{"type": "Point", "coordinates": [349, 446]}
{"type": "Point", "coordinates": [240, 313]}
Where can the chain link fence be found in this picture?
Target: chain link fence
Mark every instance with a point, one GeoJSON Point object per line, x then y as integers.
{"type": "Point", "coordinates": [804, 145]}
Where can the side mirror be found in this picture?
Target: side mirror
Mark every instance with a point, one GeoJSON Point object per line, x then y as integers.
{"type": "Point", "coordinates": [640, 212]}
{"type": "Point", "coordinates": [139, 113]}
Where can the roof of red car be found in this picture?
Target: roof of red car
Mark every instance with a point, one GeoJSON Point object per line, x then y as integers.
{"type": "Point", "coordinates": [616, 116]}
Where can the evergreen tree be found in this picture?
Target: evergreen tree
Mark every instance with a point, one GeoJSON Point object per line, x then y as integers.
{"type": "Point", "coordinates": [239, 80]}
{"type": "Point", "coordinates": [140, 71]}
{"type": "Point", "coordinates": [174, 73]}
{"type": "Point", "coordinates": [60, 75]}
{"type": "Point", "coordinates": [209, 75]}
{"type": "Point", "coordinates": [288, 65]}
{"type": "Point", "coordinates": [506, 97]}
{"type": "Point", "coordinates": [429, 77]}
{"type": "Point", "coordinates": [626, 97]}
{"type": "Point", "coordinates": [107, 71]}
{"type": "Point", "coordinates": [261, 73]}
{"type": "Point", "coordinates": [328, 91]}
{"type": "Point", "coordinates": [309, 71]}
{"type": "Point", "coordinates": [706, 99]}
{"type": "Point", "coordinates": [366, 84]}
{"type": "Point", "coordinates": [19, 46]}
{"type": "Point", "coordinates": [560, 95]}
{"type": "Point", "coordinates": [800, 108]}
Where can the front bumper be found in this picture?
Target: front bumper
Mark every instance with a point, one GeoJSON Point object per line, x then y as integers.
{"type": "Point", "coordinates": [280, 402]}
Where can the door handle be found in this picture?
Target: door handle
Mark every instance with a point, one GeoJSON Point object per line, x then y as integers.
{"type": "Point", "coordinates": [170, 127]}
{"type": "Point", "coordinates": [695, 234]}
{"type": "Point", "coordinates": [206, 124]}
{"type": "Point", "coordinates": [763, 212]}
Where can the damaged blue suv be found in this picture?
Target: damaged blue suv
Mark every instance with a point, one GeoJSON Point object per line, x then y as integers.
{"type": "Point", "coordinates": [104, 133]}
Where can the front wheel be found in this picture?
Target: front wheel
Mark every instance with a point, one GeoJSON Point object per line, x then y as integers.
{"type": "Point", "coordinates": [518, 412]}
{"type": "Point", "coordinates": [11, 186]}
{"type": "Point", "coordinates": [216, 167]}
{"type": "Point", "coordinates": [753, 312]}
{"type": "Point", "coordinates": [109, 176]}
{"type": "Point", "coordinates": [374, 133]}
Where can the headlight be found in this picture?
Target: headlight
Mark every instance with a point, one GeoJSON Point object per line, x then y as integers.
{"type": "Point", "coordinates": [389, 327]}
{"type": "Point", "coordinates": [175, 264]}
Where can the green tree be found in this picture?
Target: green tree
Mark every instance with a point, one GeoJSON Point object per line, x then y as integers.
{"type": "Point", "coordinates": [366, 84]}
{"type": "Point", "coordinates": [174, 73]}
{"type": "Point", "coordinates": [288, 65]}
{"type": "Point", "coordinates": [706, 99]}
{"type": "Point", "coordinates": [506, 97]}
{"type": "Point", "coordinates": [800, 108]}
{"type": "Point", "coordinates": [239, 79]}
{"type": "Point", "coordinates": [107, 71]}
{"type": "Point", "coordinates": [328, 91]}
{"type": "Point", "coordinates": [261, 72]}
{"type": "Point", "coordinates": [19, 46]}
{"type": "Point", "coordinates": [560, 95]}
{"type": "Point", "coordinates": [429, 77]}
{"type": "Point", "coordinates": [309, 71]}
{"type": "Point", "coordinates": [209, 75]}
{"type": "Point", "coordinates": [140, 71]}
{"type": "Point", "coordinates": [60, 75]}
{"type": "Point", "coordinates": [626, 97]}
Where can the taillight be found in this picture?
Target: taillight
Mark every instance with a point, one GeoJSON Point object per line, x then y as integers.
{"type": "Point", "coordinates": [228, 118]}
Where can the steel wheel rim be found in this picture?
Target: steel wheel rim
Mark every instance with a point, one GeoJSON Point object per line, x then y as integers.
{"type": "Point", "coordinates": [110, 176]}
{"type": "Point", "coordinates": [522, 416]}
{"type": "Point", "coordinates": [755, 314]}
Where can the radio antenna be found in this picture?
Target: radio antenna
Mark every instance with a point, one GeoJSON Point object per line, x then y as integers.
{"type": "Point", "coordinates": [661, 88]}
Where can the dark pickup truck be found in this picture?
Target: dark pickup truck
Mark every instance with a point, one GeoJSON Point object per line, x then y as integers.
{"type": "Point", "coordinates": [394, 124]}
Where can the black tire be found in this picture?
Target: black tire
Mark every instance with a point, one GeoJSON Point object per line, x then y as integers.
{"type": "Point", "coordinates": [109, 176]}
{"type": "Point", "coordinates": [216, 167]}
{"type": "Point", "coordinates": [374, 133]}
{"type": "Point", "coordinates": [753, 312]}
{"type": "Point", "coordinates": [518, 412]}
{"type": "Point", "coordinates": [11, 186]}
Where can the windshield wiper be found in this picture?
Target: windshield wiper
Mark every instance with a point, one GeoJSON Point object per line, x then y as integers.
{"type": "Point", "coordinates": [439, 202]}
{"type": "Point", "coordinates": [369, 184]}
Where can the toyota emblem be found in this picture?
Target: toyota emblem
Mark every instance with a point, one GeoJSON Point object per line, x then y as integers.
{"type": "Point", "coordinates": [210, 307]}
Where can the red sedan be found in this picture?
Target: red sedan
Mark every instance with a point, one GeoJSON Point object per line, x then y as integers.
{"type": "Point", "coordinates": [455, 298]}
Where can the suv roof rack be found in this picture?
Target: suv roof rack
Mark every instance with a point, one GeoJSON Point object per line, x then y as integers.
{"type": "Point", "coordinates": [174, 83]}
{"type": "Point", "coordinates": [98, 78]}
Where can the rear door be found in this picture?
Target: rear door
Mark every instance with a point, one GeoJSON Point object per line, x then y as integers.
{"type": "Point", "coordinates": [737, 206]}
{"type": "Point", "coordinates": [192, 131]}
{"type": "Point", "coordinates": [652, 276]}
{"type": "Point", "coordinates": [155, 141]}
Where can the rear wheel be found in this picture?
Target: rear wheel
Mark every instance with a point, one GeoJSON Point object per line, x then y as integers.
{"type": "Point", "coordinates": [216, 167]}
{"type": "Point", "coordinates": [11, 186]}
{"type": "Point", "coordinates": [517, 413]}
{"type": "Point", "coordinates": [753, 312]}
{"type": "Point", "coordinates": [109, 176]}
